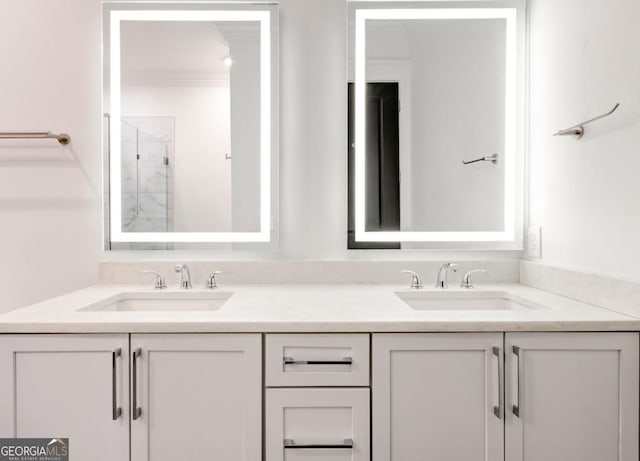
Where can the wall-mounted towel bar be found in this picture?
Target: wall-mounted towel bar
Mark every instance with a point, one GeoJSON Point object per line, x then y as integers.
{"type": "Point", "coordinates": [490, 158]}
{"type": "Point", "coordinates": [578, 130]}
{"type": "Point", "coordinates": [63, 138]}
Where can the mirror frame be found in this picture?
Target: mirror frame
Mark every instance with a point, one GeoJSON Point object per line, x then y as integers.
{"type": "Point", "coordinates": [264, 17]}
{"type": "Point", "coordinates": [513, 13]}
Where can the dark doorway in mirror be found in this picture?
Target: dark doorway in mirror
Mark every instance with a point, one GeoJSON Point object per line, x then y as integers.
{"type": "Point", "coordinates": [382, 164]}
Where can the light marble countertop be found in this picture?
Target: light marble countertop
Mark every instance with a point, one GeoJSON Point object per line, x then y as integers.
{"type": "Point", "coordinates": [312, 308]}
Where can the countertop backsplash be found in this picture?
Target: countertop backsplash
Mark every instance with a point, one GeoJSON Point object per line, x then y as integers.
{"type": "Point", "coordinates": [307, 272]}
{"type": "Point", "coordinates": [611, 293]}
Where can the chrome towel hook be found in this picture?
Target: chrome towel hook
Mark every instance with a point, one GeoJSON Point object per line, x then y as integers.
{"type": "Point", "coordinates": [490, 158]}
{"type": "Point", "coordinates": [578, 130]}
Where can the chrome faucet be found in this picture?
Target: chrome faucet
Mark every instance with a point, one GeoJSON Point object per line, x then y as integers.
{"type": "Point", "coordinates": [185, 276]}
{"type": "Point", "coordinates": [443, 273]}
{"type": "Point", "coordinates": [466, 280]}
{"type": "Point", "coordinates": [415, 279]}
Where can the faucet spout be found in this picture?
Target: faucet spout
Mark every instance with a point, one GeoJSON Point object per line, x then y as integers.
{"type": "Point", "coordinates": [185, 276]}
{"type": "Point", "coordinates": [443, 275]}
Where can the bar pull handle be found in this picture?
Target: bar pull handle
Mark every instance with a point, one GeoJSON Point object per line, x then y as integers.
{"type": "Point", "coordinates": [116, 411]}
{"type": "Point", "coordinates": [516, 407]}
{"type": "Point", "coordinates": [346, 443]}
{"type": "Point", "coordinates": [137, 411]}
{"type": "Point", "coordinates": [497, 410]}
{"type": "Point", "coordinates": [291, 361]}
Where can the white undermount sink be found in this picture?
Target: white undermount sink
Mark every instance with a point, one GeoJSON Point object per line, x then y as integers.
{"type": "Point", "coordinates": [443, 300]}
{"type": "Point", "coordinates": [162, 301]}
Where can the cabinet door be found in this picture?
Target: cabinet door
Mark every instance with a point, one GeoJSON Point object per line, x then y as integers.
{"type": "Point", "coordinates": [317, 424]}
{"type": "Point", "coordinates": [437, 397]}
{"type": "Point", "coordinates": [572, 396]}
{"type": "Point", "coordinates": [67, 386]}
{"type": "Point", "coordinates": [199, 395]}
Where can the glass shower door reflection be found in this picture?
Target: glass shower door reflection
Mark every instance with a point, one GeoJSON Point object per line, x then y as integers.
{"type": "Point", "coordinates": [147, 176]}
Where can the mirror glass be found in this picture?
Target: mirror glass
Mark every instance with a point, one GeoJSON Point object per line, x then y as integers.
{"type": "Point", "coordinates": [188, 97]}
{"type": "Point", "coordinates": [433, 115]}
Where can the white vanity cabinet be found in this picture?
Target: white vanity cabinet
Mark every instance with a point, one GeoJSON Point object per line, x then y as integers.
{"type": "Point", "coordinates": [437, 397]}
{"type": "Point", "coordinates": [190, 397]}
{"type": "Point", "coordinates": [67, 386]}
{"type": "Point", "coordinates": [441, 396]}
{"type": "Point", "coordinates": [196, 396]}
{"type": "Point", "coordinates": [572, 396]}
{"type": "Point", "coordinates": [567, 396]}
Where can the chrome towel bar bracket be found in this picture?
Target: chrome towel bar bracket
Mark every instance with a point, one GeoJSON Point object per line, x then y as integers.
{"type": "Point", "coordinates": [578, 130]}
{"type": "Point", "coordinates": [63, 138]}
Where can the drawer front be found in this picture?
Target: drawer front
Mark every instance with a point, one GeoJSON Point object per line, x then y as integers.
{"type": "Point", "coordinates": [308, 360]}
{"type": "Point", "coordinates": [317, 424]}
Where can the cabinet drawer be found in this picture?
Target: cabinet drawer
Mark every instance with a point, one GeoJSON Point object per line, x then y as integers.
{"type": "Point", "coordinates": [306, 424]}
{"type": "Point", "coordinates": [317, 360]}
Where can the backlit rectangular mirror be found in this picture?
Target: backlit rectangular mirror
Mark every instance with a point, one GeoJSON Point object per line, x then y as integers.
{"type": "Point", "coordinates": [435, 123]}
{"type": "Point", "coordinates": [188, 97]}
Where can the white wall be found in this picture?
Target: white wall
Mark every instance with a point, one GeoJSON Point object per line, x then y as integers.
{"type": "Point", "coordinates": [50, 197]}
{"type": "Point", "coordinates": [585, 56]}
{"type": "Point", "coordinates": [313, 120]}
{"type": "Point", "coordinates": [50, 210]}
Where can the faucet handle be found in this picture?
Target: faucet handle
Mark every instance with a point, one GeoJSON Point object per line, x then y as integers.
{"type": "Point", "coordinates": [159, 285]}
{"type": "Point", "coordinates": [415, 279]}
{"type": "Point", "coordinates": [211, 280]}
{"type": "Point", "coordinates": [466, 280]}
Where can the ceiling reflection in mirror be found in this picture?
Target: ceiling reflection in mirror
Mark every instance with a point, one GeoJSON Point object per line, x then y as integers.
{"type": "Point", "coordinates": [189, 115]}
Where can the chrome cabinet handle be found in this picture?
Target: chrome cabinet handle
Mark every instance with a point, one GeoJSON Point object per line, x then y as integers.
{"type": "Point", "coordinates": [137, 411]}
{"type": "Point", "coordinates": [497, 410]}
{"type": "Point", "coordinates": [346, 443]}
{"type": "Point", "coordinates": [291, 361]}
{"type": "Point", "coordinates": [116, 411]}
{"type": "Point", "coordinates": [516, 407]}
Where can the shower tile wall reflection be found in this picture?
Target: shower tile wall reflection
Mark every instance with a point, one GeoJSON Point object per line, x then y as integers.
{"type": "Point", "coordinates": [147, 174]}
